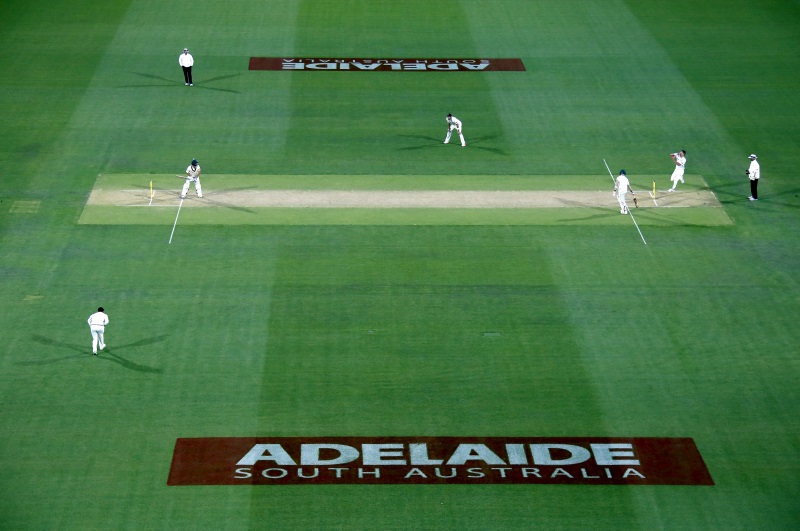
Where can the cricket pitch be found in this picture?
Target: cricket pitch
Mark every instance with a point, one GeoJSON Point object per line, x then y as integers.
{"type": "Point", "coordinates": [381, 199]}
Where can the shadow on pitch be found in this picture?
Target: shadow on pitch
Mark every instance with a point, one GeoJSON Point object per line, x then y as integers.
{"type": "Point", "coordinates": [105, 355]}
{"type": "Point", "coordinates": [176, 194]}
{"type": "Point", "coordinates": [600, 212]}
{"type": "Point", "coordinates": [223, 204]}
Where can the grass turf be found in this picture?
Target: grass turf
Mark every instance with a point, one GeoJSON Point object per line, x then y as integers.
{"type": "Point", "coordinates": [692, 335]}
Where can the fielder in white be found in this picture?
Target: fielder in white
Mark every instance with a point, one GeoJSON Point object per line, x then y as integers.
{"type": "Point", "coordinates": [97, 325]}
{"type": "Point", "coordinates": [680, 165]}
{"type": "Point", "coordinates": [454, 123]}
{"type": "Point", "coordinates": [621, 187]}
{"type": "Point", "coordinates": [192, 176]}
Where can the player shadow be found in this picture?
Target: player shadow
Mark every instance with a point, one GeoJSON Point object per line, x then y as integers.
{"type": "Point", "coordinates": [53, 343]}
{"type": "Point", "coordinates": [176, 194]}
{"type": "Point", "coordinates": [578, 204]}
{"type": "Point", "coordinates": [654, 214]}
{"type": "Point", "coordinates": [601, 212]}
{"type": "Point", "coordinates": [166, 82]}
{"type": "Point", "coordinates": [50, 361]}
{"type": "Point", "coordinates": [741, 192]}
{"type": "Point", "coordinates": [171, 82]}
{"type": "Point", "coordinates": [108, 355]}
{"type": "Point", "coordinates": [202, 85]}
{"type": "Point", "coordinates": [478, 140]}
{"type": "Point", "coordinates": [433, 142]}
{"type": "Point", "coordinates": [84, 352]}
{"type": "Point", "coordinates": [429, 142]}
{"type": "Point", "coordinates": [223, 204]}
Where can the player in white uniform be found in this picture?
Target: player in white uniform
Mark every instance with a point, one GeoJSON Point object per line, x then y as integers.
{"type": "Point", "coordinates": [454, 123]}
{"type": "Point", "coordinates": [680, 165]}
{"type": "Point", "coordinates": [621, 187]}
{"type": "Point", "coordinates": [192, 176]}
{"type": "Point", "coordinates": [97, 325]}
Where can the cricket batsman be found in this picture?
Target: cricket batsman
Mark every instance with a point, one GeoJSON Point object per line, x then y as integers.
{"type": "Point", "coordinates": [192, 176]}
{"type": "Point", "coordinates": [621, 187]}
{"type": "Point", "coordinates": [454, 123]}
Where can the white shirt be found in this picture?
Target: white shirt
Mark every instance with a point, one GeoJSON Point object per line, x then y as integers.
{"type": "Point", "coordinates": [186, 59]}
{"type": "Point", "coordinates": [98, 319]}
{"type": "Point", "coordinates": [193, 172]}
{"type": "Point", "coordinates": [622, 185]}
{"type": "Point", "coordinates": [680, 161]}
{"type": "Point", "coordinates": [755, 170]}
{"type": "Point", "coordinates": [453, 121]}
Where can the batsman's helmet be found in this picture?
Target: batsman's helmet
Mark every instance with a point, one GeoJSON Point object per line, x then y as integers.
{"type": "Point", "coordinates": [622, 172]}
{"type": "Point", "coordinates": [194, 162]}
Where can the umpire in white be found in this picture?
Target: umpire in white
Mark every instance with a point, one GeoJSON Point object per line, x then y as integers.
{"type": "Point", "coordinates": [186, 61]}
{"type": "Point", "coordinates": [754, 174]}
{"type": "Point", "coordinates": [97, 325]}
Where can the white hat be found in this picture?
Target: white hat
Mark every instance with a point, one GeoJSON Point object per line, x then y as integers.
{"type": "Point", "coordinates": [752, 156]}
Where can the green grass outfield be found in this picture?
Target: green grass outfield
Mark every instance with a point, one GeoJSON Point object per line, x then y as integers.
{"type": "Point", "coordinates": [509, 324]}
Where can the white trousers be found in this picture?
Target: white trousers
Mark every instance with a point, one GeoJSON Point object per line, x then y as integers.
{"type": "Point", "coordinates": [450, 132]}
{"type": "Point", "coordinates": [623, 205]}
{"type": "Point", "coordinates": [677, 175]}
{"type": "Point", "coordinates": [97, 337]}
{"type": "Point", "coordinates": [197, 187]}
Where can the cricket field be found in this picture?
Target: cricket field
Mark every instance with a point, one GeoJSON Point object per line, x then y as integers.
{"type": "Point", "coordinates": [361, 327]}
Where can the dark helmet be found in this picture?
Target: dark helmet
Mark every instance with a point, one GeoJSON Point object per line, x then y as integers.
{"type": "Point", "coordinates": [622, 172]}
{"type": "Point", "coordinates": [194, 162]}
